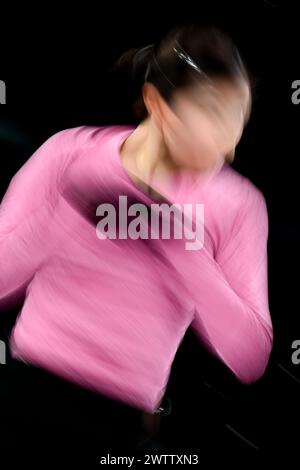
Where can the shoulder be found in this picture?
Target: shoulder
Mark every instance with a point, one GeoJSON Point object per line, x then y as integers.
{"type": "Point", "coordinates": [246, 203]}
{"type": "Point", "coordinates": [238, 192]}
{"type": "Point", "coordinates": [85, 137]}
{"type": "Point", "coordinates": [76, 136]}
{"type": "Point", "coordinates": [233, 204]}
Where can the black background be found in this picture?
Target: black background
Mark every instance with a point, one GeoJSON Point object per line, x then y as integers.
{"type": "Point", "coordinates": [57, 68]}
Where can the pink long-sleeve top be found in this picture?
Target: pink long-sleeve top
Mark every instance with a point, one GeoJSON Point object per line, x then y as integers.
{"type": "Point", "coordinates": [110, 314]}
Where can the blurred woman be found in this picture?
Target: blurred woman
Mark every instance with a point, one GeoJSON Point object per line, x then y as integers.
{"type": "Point", "coordinates": [103, 316]}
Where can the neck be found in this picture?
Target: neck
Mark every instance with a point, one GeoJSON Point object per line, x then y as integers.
{"type": "Point", "coordinates": [144, 153]}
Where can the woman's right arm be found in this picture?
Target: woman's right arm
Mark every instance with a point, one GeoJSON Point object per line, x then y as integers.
{"type": "Point", "coordinates": [25, 215]}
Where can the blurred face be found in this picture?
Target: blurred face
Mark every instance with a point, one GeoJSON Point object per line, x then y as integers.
{"type": "Point", "coordinates": [203, 124]}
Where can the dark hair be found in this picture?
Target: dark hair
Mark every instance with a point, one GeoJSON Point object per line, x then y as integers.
{"type": "Point", "coordinates": [187, 52]}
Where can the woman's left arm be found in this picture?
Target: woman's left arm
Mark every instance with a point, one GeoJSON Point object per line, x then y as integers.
{"type": "Point", "coordinates": [232, 314]}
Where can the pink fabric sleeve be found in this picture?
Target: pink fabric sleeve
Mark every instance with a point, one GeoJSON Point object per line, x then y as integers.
{"type": "Point", "coordinates": [25, 218]}
{"type": "Point", "coordinates": [232, 315]}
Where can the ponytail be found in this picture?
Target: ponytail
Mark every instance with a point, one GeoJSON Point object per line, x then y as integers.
{"type": "Point", "coordinates": [137, 60]}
